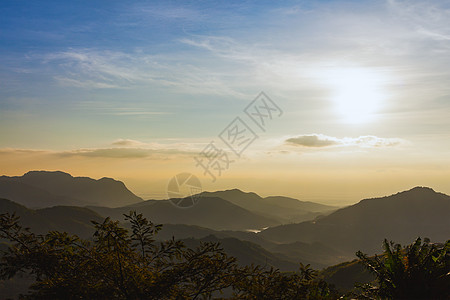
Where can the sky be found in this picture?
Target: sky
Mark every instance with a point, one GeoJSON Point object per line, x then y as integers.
{"type": "Point", "coordinates": [355, 103]}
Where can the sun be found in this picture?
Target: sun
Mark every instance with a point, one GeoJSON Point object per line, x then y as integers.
{"type": "Point", "coordinates": [357, 94]}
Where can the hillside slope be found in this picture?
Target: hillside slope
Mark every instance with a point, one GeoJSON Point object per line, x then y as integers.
{"type": "Point", "coordinates": [210, 212]}
{"type": "Point", "coordinates": [247, 253]}
{"type": "Point", "coordinates": [75, 220]}
{"type": "Point", "coordinates": [401, 217]}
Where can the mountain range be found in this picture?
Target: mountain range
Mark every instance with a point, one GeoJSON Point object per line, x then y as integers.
{"type": "Point", "coordinates": [229, 210]}
{"type": "Point", "coordinates": [39, 189]}
{"type": "Point", "coordinates": [419, 212]}
{"type": "Point", "coordinates": [57, 201]}
{"type": "Point", "coordinates": [226, 210]}
{"type": "Point", "coordinates": [210, 212]}
{"type": "Point", "coordinates": [282, 209]}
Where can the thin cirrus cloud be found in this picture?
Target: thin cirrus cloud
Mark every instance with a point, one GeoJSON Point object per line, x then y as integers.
{"type": "Point", "coordinates": [88, 68]}
{"type": "Point", "coordinates": [118, 109]}
{"type": "Point", "coordinates": [261, 61]}
{"type": "Point", "coordinates": [92, 68]}
{"type": "Point", "coordinates": [323, 141]}
{"type": "Point", "coordinates": [137, 113]}
{"type": "Point", "coordinates": [164, 12]}
{"type": "Point", "coordinates": [6, 151]}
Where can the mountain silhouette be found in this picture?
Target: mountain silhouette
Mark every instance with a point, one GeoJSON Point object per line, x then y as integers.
{"type": "Point", "coordinates": [210, 212]}
{"type": "Point", "coordinates": [72, 219]}
{"type": "Point", "coordinates": [59, 201]}
{"type": "Point", "coordinates": [316, 254]}
{"type": "Point", "coordinates": [44, 189]}
{"type": "Point", "coordinates": [283, 209]}
{"type": "Point", "coordinates": [401, 217]}
{"type": "Point", "coordinates": [226, 210]}
{"type": "Point", "coordinates": [31, 196]}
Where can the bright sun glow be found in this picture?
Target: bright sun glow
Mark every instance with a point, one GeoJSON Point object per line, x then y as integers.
{"type": "Point", "coordinates": [357, 93]}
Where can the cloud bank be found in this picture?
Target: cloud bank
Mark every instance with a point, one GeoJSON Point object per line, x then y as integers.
{"type": "Point", "coordinates": [120, 149]}
{"type": "Point", "coordinates": [321, 141]}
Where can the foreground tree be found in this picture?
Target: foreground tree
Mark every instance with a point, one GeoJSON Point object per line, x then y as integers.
{"type": "Point", "coordinates": [418, 271]}
{"type": "Point", "coordinates": [271, 284]}
{"type": "Point", "coordinates": [129, 264]}
{"type": "Point", "coordinates": [115, 265]}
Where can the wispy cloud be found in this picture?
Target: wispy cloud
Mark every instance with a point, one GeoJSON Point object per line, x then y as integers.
{"type": "Point", "coordinates": [133, 109]}
{"type": "Point", "coordinates": [92, 68]}
{"type": "Point", "coordinates": [165, 12]}
{"type": "Point", "coordinates": [83, 83]}
{"type": "Point", "coordinates": [226, 47]}
{"type": "Point", "coordinates": [212, 63]}
{"type": "Point", "coordinates": [5, 151]}
{"type": "Point", "coordinates": [136, 113]}
{"type": "Point", "coordinates": [428, 18]}
{"type": "Point", "coordinates": [159, 154]}
{"type": "Point", "coordinates": [320, 141]}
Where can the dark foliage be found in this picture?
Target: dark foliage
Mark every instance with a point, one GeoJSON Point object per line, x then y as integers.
{"type": "Point", "coordinates": [122, 264]}
{"type": "Point", "coordinates": [418, 271]}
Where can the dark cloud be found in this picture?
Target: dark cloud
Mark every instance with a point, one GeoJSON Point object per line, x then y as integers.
{"type": "Point", "coordinates": [312, 141]}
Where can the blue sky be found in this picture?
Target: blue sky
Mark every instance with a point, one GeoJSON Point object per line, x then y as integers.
{"type": "Point", "coordinates": [84, 78]}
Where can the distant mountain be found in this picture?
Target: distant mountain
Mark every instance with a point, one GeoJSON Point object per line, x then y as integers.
{"type": "Point", "coordinates": [44, 189]}
{"type": "Point", "coordinates": [401, 217]}
{"type": "Point", "coordinates": [247, 253]}
{"type": "Point", "coordinates": [183, 231]}
{"type": "Point", "coordinates": [316, 254]}
{"type": "Point", "coordinates": [248, 247]}
{"type": "Point", "coordinates": [31, 196]}
{"type": "Point", "coordinates": [283, 209]}
{"type": "Point", "coordinates": [75, 220]}
{"type": "Point", "coordinates": [321, 242]}
{"type": "Point", "coordinates": [290, 203]}
{"type": "Point", "coordinates": [210, 212]}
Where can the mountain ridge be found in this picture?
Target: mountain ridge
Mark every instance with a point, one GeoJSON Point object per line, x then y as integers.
{"type": "Point", "coordinates": [210, 212]}
{"type": "Point", "coordinates": [64, 189]}
{"type": "Point", "coordinates": [401, 217]}
{"type": "Point", "coordinates": [331, 239]}
{"type": "Point", "coordinates": [283, 209]}
{"type": "Point", "coordinates": [72, 219]}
